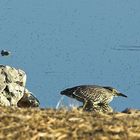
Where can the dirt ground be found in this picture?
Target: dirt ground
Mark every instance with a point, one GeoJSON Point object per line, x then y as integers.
{"type": "Point", "coordinates": [62, 124]}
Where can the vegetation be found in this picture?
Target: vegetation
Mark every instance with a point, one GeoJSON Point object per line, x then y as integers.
{"type": "Point", "coordinates": [61, 124]}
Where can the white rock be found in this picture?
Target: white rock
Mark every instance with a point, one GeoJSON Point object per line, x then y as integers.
{"type": "Point", "coordinates": [17, 92]}
{"type": "Point", "coordinates": [12, 88]}
{"type": "Point", "coordinates": [2, 82]}
{"type": "Point", "coordinates": [4, 101]}
{"type": "Point", "coordinates": [22, 77]}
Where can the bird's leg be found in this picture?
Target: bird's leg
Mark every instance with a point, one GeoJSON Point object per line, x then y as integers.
{"type": "Point", "coordinates": [85, 104]}
{"type": "Point", "coordinates": [107, 108]}
{"type": "Point", "coordinates": [101, 104]}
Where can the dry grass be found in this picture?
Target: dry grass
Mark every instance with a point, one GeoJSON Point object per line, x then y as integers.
{"type": "Point", "coordinates": [42, 124]}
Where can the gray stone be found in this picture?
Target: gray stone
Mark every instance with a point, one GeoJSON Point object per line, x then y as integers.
{"type": "Point", "coordinates": [16, 91]}
{"type": "Point", "coordinates": [4, 101]}
{"type": "Point", "coordinates": [28, 100]}
{"type": "Point", "coordinates": [12, 88]}
{"type": "Point", "coordinates": [13, 75]}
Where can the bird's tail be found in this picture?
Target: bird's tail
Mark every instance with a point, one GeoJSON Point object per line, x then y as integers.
{"type": "Point", "coordinates": [120, 94]}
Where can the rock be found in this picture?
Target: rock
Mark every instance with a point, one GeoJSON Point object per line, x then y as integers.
{"type": "Point", "coordinates": [28, 100]}
{"type": "Point", "coordinates": [131, 111]}
{"type": "Point", "coordinates": [22, 77]}
{"type": "Point", "coordinates": [15, 93]}
{"type": "Point", "coordinates": [12, 88]}
{"type": "Point", "coordinates": [13, 75]}
{"type": "Point", "coordinates": [4, 101]}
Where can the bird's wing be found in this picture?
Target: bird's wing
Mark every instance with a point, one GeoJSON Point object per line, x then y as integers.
{"type": "Point", "coordinates": [97, 95]}
{"type": "Point", "coordinates": [88, 93]}
{"type": "Point", "coordinates": [104, 95]}
{"type": "Point", "coordinates": [79, 95]}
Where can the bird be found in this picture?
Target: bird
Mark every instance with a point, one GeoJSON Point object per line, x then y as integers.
{"type": "Point", "coordinates": [93, 96]}
{"type": "Point", "coordinates": [100, 108]}
{"type": "Point", "coordinates": [5, 53]}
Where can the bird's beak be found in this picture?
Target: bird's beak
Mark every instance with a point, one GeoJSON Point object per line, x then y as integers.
{"type": "Point", "coordinates": [62, 93]}
{"type": "Point", "coordinates": [120, 94]}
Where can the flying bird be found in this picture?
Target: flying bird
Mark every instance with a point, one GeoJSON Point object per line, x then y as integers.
{"type": "Point", "coordinates": [92, 96]}
{"type": "Point", "coordinates": [5, 53]}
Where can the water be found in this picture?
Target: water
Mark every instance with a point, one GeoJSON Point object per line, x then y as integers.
{"type": "Point", "coordinates": [127, 48]}
{"type": "Point", "coordinates": [59, 104]}
{"type": "Point", "coordinates": [65, 102]}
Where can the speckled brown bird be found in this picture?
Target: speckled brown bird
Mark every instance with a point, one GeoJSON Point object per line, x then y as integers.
{"type": "Point", "coordinates": [92, 95]}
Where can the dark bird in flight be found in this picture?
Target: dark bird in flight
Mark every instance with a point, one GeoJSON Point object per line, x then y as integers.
{"type": "Point", "coordinates": [93, 96]}
{"type": "Point", "coordinates": [5, 53]}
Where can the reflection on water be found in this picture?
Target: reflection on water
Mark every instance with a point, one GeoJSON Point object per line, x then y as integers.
{"type": "Point", "coordinates": [65, 102]}
{"type": "Point", "coordinates": [127, 48]}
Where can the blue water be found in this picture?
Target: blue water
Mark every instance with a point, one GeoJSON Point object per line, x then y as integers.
{"type": "Point", "coordinates": [62, 43]}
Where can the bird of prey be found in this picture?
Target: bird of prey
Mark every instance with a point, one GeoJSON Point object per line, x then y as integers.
{"type": "Point", "coordinates": [5, 53]}
{"type": "Point", "coordinates": [92, 96]}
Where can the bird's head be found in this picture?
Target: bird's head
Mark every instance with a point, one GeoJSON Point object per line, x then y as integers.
{"type": "Point", "coordinates": [66, 92]}
{"type": "Point", "coordinates": [115, 92]}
